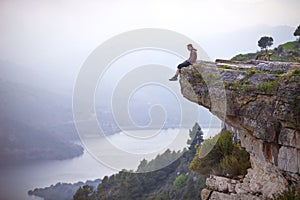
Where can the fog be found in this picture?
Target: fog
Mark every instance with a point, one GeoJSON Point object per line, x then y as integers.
{"type": "Point", "coordinates": [53, 38]}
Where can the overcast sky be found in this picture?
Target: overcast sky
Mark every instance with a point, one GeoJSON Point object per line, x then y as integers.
{"type": "Point", "coordinates": [52, 31]}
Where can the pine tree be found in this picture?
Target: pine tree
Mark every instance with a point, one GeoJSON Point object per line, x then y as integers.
{"type": "Point", "coordinates": [196, 136]}
{"type": "Point", "coordinates": [85, 192]}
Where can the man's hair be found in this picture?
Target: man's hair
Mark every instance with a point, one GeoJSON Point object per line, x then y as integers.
{"type": "Point", "coordinates": [190, 45]}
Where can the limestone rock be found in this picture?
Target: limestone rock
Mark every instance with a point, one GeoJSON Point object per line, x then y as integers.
{"type": "Point", "coordinates": [289, 137]}
{"type": "Point", "coordinates": [260, 102]}
{"type": "Point", "coordinates": [221, 184]}
{"type": "Point", "coordinates": [288, 159]}
{"type": "Point", "coordinates": [205, 194]}
{"type": "Point", "coordinates": [223, 196]}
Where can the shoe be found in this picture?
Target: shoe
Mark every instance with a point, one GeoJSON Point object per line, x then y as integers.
{"type": "Point", "coordinates": [174, 78]}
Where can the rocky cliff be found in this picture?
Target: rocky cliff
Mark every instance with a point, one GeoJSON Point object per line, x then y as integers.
{"type": "Point", "coordinates": [260, 102]}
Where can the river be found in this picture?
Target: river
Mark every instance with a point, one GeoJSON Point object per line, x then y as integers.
{"type": "Point", "coordinates": [15, 181]}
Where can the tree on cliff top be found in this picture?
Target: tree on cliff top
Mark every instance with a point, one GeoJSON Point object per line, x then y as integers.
{"type": "Point", "coordinates": [265, 42]}
{"type": "Point", "coordinates": [297, 33]}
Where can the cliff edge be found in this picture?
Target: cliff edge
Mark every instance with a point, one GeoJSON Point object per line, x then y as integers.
{"type": "Point", "coordinates": [260, 102]}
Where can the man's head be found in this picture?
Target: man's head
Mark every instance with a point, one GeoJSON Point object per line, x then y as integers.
{"type": "Point", "coordinates": [190, 47]}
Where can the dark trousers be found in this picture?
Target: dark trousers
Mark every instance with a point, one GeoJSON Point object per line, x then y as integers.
{"type": "Point", "coordinates": [184, 64]}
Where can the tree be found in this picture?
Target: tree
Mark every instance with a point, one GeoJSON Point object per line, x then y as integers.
{"type": "Point", "coordinates": [85, 192]}
{"type": "Point", "coordinates": [265, 42]}
{"type": "Point", "coordinates": [196, 136]}
{"type": "Point", "coordinates": [179, 182]}
{"type": "Point", "coordinates": [297, 33]}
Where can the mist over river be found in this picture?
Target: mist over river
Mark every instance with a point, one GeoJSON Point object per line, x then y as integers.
{"type": "Point", "coordinates": [16, 181]}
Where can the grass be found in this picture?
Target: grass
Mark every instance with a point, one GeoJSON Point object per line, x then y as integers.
{"type": "Point", "coordinates": [295, 72]}
{"type": "Point", "coordinates": [245, 85]}
{"type": "Point", "coordinates": [268, 87]}
{"type": "Point", "coordinates": [250, 72]}
{"type": "Point", "coordinates": [292, 76]}
{"type": "Point", "coordinates": [226, 67]}
{"type": "Point", "coordinates": [197, 74]}
{"type": "Point", "coordinates": [288, 52]}
{"type": "Point", "coordinates": [279, 72]}
{"type": "Point", "coordinates": [290, 46]}
{"type": "Point", "coordinates": [244, 57]}
{"type": "Point", "coordinates": [240, 87]}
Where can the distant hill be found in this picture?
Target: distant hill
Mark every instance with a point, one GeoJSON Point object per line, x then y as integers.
{"type": "Point", "coordinates": [22, 143]}
{"type": "Point", "coordinates": [241, 41]}
{"type": "Point", "coordinates": [32, 125]}
{"type": "Point", "coordinates": [62, 191]}
{"type": "Point", "coordinates": [287, 52]}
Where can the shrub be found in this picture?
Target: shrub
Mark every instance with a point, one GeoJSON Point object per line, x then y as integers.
{"type": "Point", "coordinates": [268, 87]}
{"type": "Point", "coordinates": [221, 156]}
{"type": "Point", "coordinates": [250, 72]}
{"type": "Point", "coordinates": [226, 67]}
{"type": "Point", "coordinates": [296, 72]}
{"type": "Point", "coordinates": [179, 182]}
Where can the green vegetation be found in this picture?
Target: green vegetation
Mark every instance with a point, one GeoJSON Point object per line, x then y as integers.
{"type": "Point", "coordinates": [269, 87]}
{"type": "Point", "coordinates": [179, 182]}
{"type": "Point", "coordinates": [197, 74]}
{"type": "Point", "coordinates": [288, 52]}
{"type": "Point", "coordinates": [292, 76]}
{"type": "Point", "coordinates": [290, 194]}
{"type": "Point", "coordinates": [85, 192]}
{"type": "Point", "coordinates": [289, 46]}
{"type": "Point", "coordinates": [295, 72]}
{"type": "Point", "coordinates": [211, 79]}
{"type": "Point", "coordinates": [63, 190]}
{"type": "Point", "coordinates": [159, 161]}
{"type": "Point", "coordinates": [297, 33]}
{"type": "Point", "coordinates": [172, 182]}
{"type": "Point", "coordinates": [250, 72]}
{"type": "Point", "coordinates": [279, 72]}
{"type": "Point", "coordinates": [265, 42]}
{"type": "Point", "coordinates": [244, 57]}
{"type": "Point", "coordinates": [226, 67]}
{"type": "Point", "coordinates": [243, 84]}
{"type": "Point", "coordinates": [220, 155]}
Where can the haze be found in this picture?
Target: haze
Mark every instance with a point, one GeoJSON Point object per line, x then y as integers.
{"type": "Point", "coordinates": [61, 34]}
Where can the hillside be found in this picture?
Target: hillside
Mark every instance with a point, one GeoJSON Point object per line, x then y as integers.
{"type": "Point", "coordinates": [175, 181]}
{"type": "Point", "coordinates": [288, 52]}
{"type": "Point", "coordinates": [182, 179]}
{"type": "Point", "coordinates": [62, 191]}
{"type": "Point", "coordinates": [32, 125]}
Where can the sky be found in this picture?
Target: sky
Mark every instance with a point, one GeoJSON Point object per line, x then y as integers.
{"type": "Point", "coordinates": [52, 33]}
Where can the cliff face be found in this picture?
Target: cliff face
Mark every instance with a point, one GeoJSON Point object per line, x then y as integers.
{"type": "Point", "coordinates": [260, 102]}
